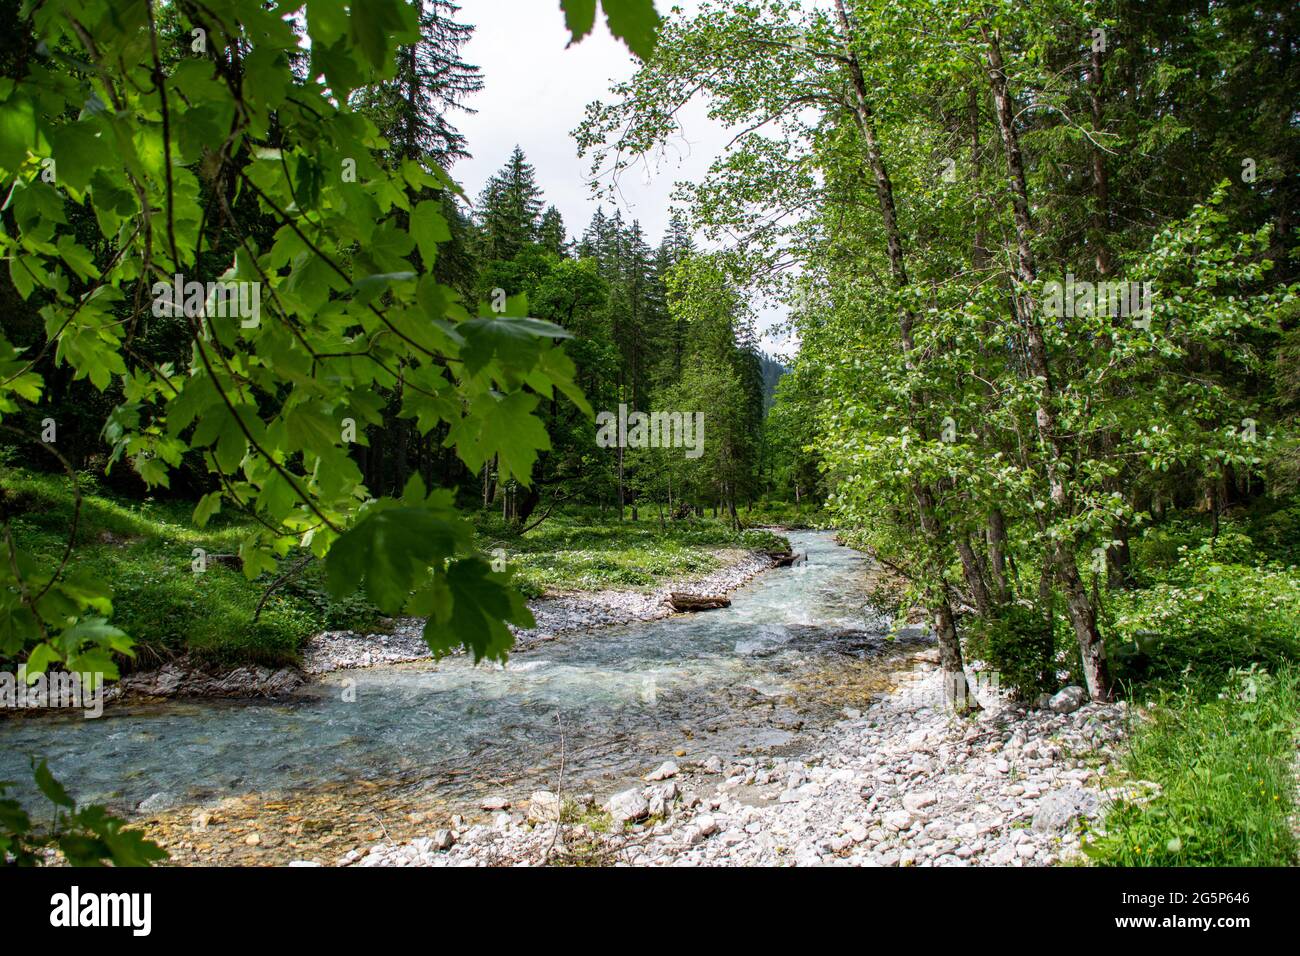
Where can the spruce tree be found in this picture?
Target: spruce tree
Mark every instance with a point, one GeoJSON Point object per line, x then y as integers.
{"type": "Point", "coordinates": [551, 233]}
{"type": "Point", "coordinates": [432, 82]}
{"type": "Point", "coordinates": [510, 208]}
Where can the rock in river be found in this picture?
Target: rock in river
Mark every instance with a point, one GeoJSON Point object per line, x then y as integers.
{"type": "Point", "coordinates": [543, 807]}
{"type": "Point", "coordinates": [663, 771]}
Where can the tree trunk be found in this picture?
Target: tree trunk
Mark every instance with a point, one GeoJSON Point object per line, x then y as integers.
{"type": "Point", "coordinates": [997, 539]}
{"type": "Point", "coordinates": [973, 571]}
{"type": "Point", "coordinates": [957, 692]}
{"type": "Point", "coordinates": [620, 482]}
{"type": "Point", "coordinates": [1082, 614]}
{"type": "Point", "coordinates": [1100, 184]}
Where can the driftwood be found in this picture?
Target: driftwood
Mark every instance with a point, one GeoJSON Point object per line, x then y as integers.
{"type": "Point", "coordinates": [697, 602]}
{"type": "Point", "coordinates": [784, 559]}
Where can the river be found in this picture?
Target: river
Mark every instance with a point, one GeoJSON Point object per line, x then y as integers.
{"type": "Point", "coordinates": [606, 703]}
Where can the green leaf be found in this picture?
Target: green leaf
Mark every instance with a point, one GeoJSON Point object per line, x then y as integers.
{"type": "Point", "coordinates": [74, 147]}
{"type": "Point", "coordinates": [512, 341]}
{"type": "Point", "coordinates": [20, 275]}
{"type": "Point", "coordinates": [52, 789]}
{"type": "Point", "coordinates": [17, 132]}
{"type": "Point", "coordinates": [105, 836]}
{"type": "Point", "coordinates": [41, 657]}
{"type": "Point", "coordinates": [635, 22]}
{"type": "Point", "coordinates": [503, 426]}
{"type": "Point", "coordinates": [391, 550]}
{"type": "Point", "coordinates": [429, 228]}
{"type": "Point", "coordinates": [472, 608]}
{"type": "Point", "coordinates": [579, 17]}
{"type": "Point", "coordinates": [208, 505]}
{"type": "Point", "coordinates": [309, 428]}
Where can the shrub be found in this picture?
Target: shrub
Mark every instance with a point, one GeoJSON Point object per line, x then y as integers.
{"type": "Point", "coordinates": [1278, 532]}
{"type": "Point", "coordinates": [1209, 615]}
{"type": "Point", "coordinates": [1017, 641]}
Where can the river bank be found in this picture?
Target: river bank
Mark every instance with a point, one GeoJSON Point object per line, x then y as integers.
{"type": "Point", "coordinates": [329, 651]}
{"type": "Point", "coordinates": [799, 725]}
{"type": "Point", "coordinates": [558, 613]}
{"type": "Point", "coordinates": [903, 783]}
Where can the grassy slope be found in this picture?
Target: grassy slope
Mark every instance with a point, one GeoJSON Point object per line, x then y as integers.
{"type": "Point", "coordinates": [144, 549]}
{"type": "Point", "coordinates": [1226, 770]}
{"type": "Point", "coordinates": [1222, 675]}
{"type": "Point", "coordinates": [585, 550]}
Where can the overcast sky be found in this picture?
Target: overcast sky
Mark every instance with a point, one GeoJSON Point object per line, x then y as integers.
{"type": "Point", "coordinates": [535, 93]}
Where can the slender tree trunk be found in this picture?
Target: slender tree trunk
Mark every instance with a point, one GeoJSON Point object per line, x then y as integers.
{"type": "Point", "coordinates": [973, 571]}
{"type": "Point", "coordinates": [1117, 555]}
{"type": "Point", "coordinates": [1100, 183]}
{"type": "Point", "coordinates": [997, 540]}
{"type": "Point", "coordinates": [954, 673]}
{"type": "Point", "coordinates": [621, 498]}
{"type": "Point", "coordinates": [1081, 612]}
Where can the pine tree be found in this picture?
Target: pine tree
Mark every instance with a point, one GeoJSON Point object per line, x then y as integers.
{"type": "Point", "coordinates": [432, 81]}
{"type": "Point", "coordinates": [510, 209]}
{"type": "Point", "coordinates": [551, 233]}
{"type": "Point", "coordinates": [639, 327]}
{"type": "Point", "coordinates": [590, 245]}
{"type": "Point", "coordinates": [676, 245]}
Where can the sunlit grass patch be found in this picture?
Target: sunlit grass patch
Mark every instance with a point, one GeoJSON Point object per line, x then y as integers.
{"type": "Point", "coordinates": [1226, 773]}
{"type": "Point", "coordinates": [589, 550]}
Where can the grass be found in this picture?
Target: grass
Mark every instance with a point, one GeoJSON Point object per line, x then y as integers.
{"type": "Point", "coordinates": [1226, 771]}
{"type": "Point", "coordinates": [787, 514]}
{"type": "Point", "coordinates": [587, 550]}
{"type": "Point", "coordinates": [144, 550]}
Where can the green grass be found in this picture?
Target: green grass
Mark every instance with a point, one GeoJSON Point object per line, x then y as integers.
{"type": "Point", "coordinates": [144, 550]}
{"type": "Point", "coordinates": [786, 514]}
{"type": "Point", "coordinates": [1214, 607]}
{"type": "Point", "coordinates": [585, 550]}
{"type": "Point", "coordinates": [1225, 766]}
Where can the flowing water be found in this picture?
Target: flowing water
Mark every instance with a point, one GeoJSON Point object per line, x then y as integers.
{"type": "Point", "coordinates": [610, 701]}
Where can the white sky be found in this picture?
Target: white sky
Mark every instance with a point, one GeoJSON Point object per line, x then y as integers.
{"type": "Point", "coordinates": [535, 93]}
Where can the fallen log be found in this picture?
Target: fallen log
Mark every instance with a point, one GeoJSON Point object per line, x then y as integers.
{"type": "Point", "coordinates": [697, 602]}
{"type": "Point", "coordinates": [784, 559]}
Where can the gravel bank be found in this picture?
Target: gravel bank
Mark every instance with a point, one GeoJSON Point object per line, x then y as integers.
{"type": "Point", "coordinates": [901, 784]}
{"type": "Point", "coordinates": [555, 615]}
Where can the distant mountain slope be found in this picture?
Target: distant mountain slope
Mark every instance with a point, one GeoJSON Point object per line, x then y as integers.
{"type": "Point", "coordinates": [772, 372]}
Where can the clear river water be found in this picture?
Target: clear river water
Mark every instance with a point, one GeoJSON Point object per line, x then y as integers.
{"type": "Point", "coordinates": [612, 701]}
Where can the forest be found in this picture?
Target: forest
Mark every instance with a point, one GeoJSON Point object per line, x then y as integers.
{"type": "Point", "coordinates": [1039, 260]}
